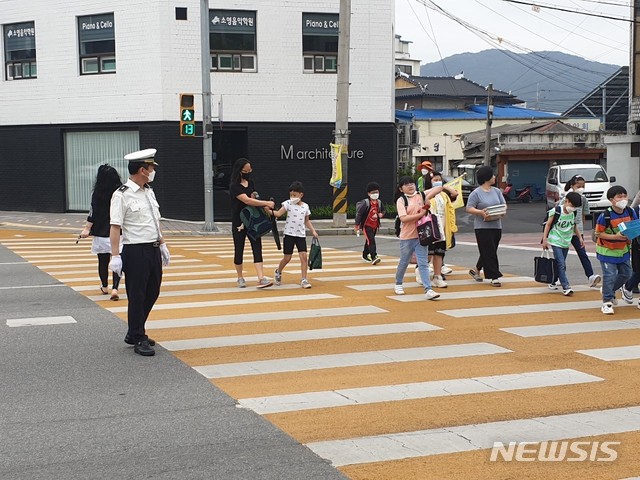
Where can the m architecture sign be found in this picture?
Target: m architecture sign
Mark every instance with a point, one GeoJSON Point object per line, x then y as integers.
{"type": "Point", "coordinates": [290, 152]}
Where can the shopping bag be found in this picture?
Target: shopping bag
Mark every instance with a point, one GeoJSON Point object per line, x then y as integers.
{"type": "Point", "coordinates": [428, 230]}
{"type": "Point", "coordinates": [315, 255]}
{"type": "Point", "coordinates": [255, 221]}
{"type": "Point", "coordinates": [545, 268]}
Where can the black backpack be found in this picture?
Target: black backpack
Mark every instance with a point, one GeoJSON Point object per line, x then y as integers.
{"type": "Point", "coordinates": [398, 223]}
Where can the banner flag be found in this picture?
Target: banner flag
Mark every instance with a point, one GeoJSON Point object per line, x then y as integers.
{"type": "Point", "coordinates": [456, 184]}
{"type": "Point", "coordinates": [336, 165]}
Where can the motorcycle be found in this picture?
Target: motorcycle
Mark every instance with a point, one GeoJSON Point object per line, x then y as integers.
{"type": "Point", "coordinates": [523, 195]}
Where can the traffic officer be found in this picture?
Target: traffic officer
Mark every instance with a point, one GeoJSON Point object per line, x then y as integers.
{"type": "Point", "coordinates": [135, 212]}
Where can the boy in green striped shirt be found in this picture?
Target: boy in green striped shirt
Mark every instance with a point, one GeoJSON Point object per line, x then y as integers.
{"type": "Point", "coordinates": [558, 233]}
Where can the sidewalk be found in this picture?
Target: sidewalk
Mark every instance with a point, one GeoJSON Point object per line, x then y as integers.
{"type": "Point", "coordinates": [74, 222]}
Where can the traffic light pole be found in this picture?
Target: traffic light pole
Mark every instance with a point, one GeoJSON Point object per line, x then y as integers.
{"type": "Point", "coordinates": [207, 132]}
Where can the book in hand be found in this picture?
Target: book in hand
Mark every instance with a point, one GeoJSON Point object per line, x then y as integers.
{"type": "Point", "coordinates": [630, 229]}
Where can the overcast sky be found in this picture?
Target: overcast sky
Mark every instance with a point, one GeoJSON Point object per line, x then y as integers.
{"type": "Point", "coordinates": [521, 29]}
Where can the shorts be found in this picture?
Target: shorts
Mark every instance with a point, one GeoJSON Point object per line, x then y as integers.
{"type": "Point", "coordinates": [438, 248]}
{"type": "Point", "coordinates": [289, 242]}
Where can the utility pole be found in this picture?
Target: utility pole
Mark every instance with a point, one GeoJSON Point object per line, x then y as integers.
{"type": "Point", "coordinates": [342, 132]}
{"type": "Point", "coordinates": [487, 137]}
{"type": "Point", "coordinates": [207, 127]}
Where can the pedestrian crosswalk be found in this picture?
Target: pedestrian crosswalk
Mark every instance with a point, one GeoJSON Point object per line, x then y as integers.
{"type": "Point", "coordinates": [389, 386]}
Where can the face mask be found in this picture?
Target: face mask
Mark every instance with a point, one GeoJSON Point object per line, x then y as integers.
{"type": "Point", "coordinates": [294, 200]}
{"type": "Point", "coordinates": [436, 184]}
{"type": "Point", "coordinates": [424, 171]}
{"type": "Point", "coordinates": [374, 196]}
{"type": "Point", "coordinates": [246, 176]}
{"type": "Point", "coordinates": [579, 190]}
{"type": "Point", "coordinates": [570, 209]}
{"type": "Point", "coordinates": [152, 175]}
{"type": "Point", "coordinates": [410, 194]}
{"type": "Point", "coordinates": [621, 204]}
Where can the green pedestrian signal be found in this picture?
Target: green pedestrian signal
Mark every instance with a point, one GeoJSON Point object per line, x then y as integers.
{"type": "Point", "coordinates": [187, 115]}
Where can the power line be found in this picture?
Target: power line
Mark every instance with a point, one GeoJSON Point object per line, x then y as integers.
{"type": "Point", "coordinates": [552, 7]}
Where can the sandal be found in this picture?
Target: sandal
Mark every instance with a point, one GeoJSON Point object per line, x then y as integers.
{"type": "Point", "coordinates": [104, 290]}
{"type": "Point", "coordinates": [114, 295]}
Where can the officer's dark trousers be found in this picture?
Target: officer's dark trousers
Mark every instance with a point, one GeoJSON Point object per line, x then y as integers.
{"type": "Point", "coordinates": [142, 267]}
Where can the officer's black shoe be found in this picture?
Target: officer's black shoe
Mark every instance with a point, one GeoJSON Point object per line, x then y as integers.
{"type": "Point", "coordinates": [143, 348]}
{"type": "Point", "coordinates": [127, 340]}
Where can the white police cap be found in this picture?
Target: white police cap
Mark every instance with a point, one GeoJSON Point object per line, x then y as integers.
{"type": "Point", "coordinates": [144, 156]}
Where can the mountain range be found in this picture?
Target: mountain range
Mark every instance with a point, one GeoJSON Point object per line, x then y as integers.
{"type": "Point", "coordinates": [547, 80]}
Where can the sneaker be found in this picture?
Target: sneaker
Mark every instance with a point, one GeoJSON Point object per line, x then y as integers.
{"type": "Point", "coordinates": [594, 280]}
{"type": "Point", "coordinates": [241, 283]}
{"type": "Point", "coordinates": [567, 292]}
{"type": "Point", "coordinates": [431, 295]}
{"type": "Point", "coordinates": [445, 270]}
{"type": "Point", "coordinates": [418, 277]}
{"type": "Point", "coordinates": [439, 282]}
{"type": "Point", "coordinates": [431, 269]}
{"type": "Point", "coordinates": [264, 282]}
{"type": "Point", "coordinates": [554, 286]}
{"type": "Point", "coordinates": [607, 309]}
{"type": "Point", "coordinates": [305, 284]}
{"type": "Point", "coordinates": [367, 258]}
{"type": "Point", "coordinates": [627, 295]}
{"type": "Point", "coordinates": [277, 277]}
{"type": "Point", "coordinates": [143, 348]}
{"type": "Point", "coordinates": [638, 304]}
{"type": "Point", "coordinates": [475, 275]}
{"type": "Point", "coordinates": [399, 289]}
{"type": "Point", "coordinates": [495, 283]}
{"type": "Point", "coordinates": [375, 261]}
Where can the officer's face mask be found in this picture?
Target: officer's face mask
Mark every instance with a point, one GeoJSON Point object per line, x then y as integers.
{"type": "Point", "coordinates": [151, 176]}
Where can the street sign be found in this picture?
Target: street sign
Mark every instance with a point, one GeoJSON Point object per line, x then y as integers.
{"type": "Point", "coordinates": [187, 115]}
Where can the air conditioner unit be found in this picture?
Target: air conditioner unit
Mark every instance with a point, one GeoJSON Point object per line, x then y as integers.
{"type": "Point", "coordinates": [415, 136]}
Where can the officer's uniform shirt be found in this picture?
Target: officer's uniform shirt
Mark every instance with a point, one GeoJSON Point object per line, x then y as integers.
{"type": "Point", "coordinates": [130, 210]}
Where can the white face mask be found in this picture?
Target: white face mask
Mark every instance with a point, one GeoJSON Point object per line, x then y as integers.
{"type": "Point", "coordinates": [294, 200]}
{"type": "Point", "coordinates": [424, 171]}
{"type": "Point", "coordinates": [621, 204]}
{"type": "Point", "coordinates": [152, 175]}
{"type": "Point", "coordinates": [570, 209]}
{"type": "Point", "coordinates": [436, 184]}
{"type": "Point", "coordinates": [374, 196]}
{"type": "Point", "coordinates": [579, 190]}
{"type": "Point", "coordinates": [410, 194]}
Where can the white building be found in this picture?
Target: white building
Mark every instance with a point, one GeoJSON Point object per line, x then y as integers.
{"type": "Point", "coordinates": [87, 81]}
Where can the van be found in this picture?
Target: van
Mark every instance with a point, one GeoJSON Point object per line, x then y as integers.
{"type": "Point", "coordinates": [595, 189]}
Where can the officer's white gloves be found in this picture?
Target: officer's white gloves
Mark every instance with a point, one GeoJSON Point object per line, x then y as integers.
{"type": "Point", "coordinates": [166, 256]}
{"type": "Point", "coordinates": [115, 265]}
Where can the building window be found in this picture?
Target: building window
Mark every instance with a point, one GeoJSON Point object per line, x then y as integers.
{"type": "Point", "coordinates": [96, 35]}
{"type": "Point", "coordinates": [232, 39]}
{"type": "Point", "coordinates": [20, 51]}
{"type": "Point", "coordinates": [181, 13]}
{"type": "Point", "coordinates": [320, 42]}
{"type": "Point", "coordinates": [404, 69]}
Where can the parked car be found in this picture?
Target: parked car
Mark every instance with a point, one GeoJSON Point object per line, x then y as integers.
{"type": "Point", "coordinates": [467, 188]}
{"type": "Point", "coordinates": [597, 182]}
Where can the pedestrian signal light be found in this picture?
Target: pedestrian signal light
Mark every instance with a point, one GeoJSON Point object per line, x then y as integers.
{"type": "Point", "coordinates": [187, 116]}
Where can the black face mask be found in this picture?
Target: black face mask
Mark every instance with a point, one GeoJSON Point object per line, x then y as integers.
{"type": "Point", "coordinates": [246, 176]}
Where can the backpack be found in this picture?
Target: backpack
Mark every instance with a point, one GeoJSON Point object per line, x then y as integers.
{"type": "Point", "coordinates": [255, 221]}
{"type": "Point", "coordinates": [398, 222]}
{"type": "Point", "coordinates": [607, 221]}
{"type": "Point", "coordinates": [360, 219]}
